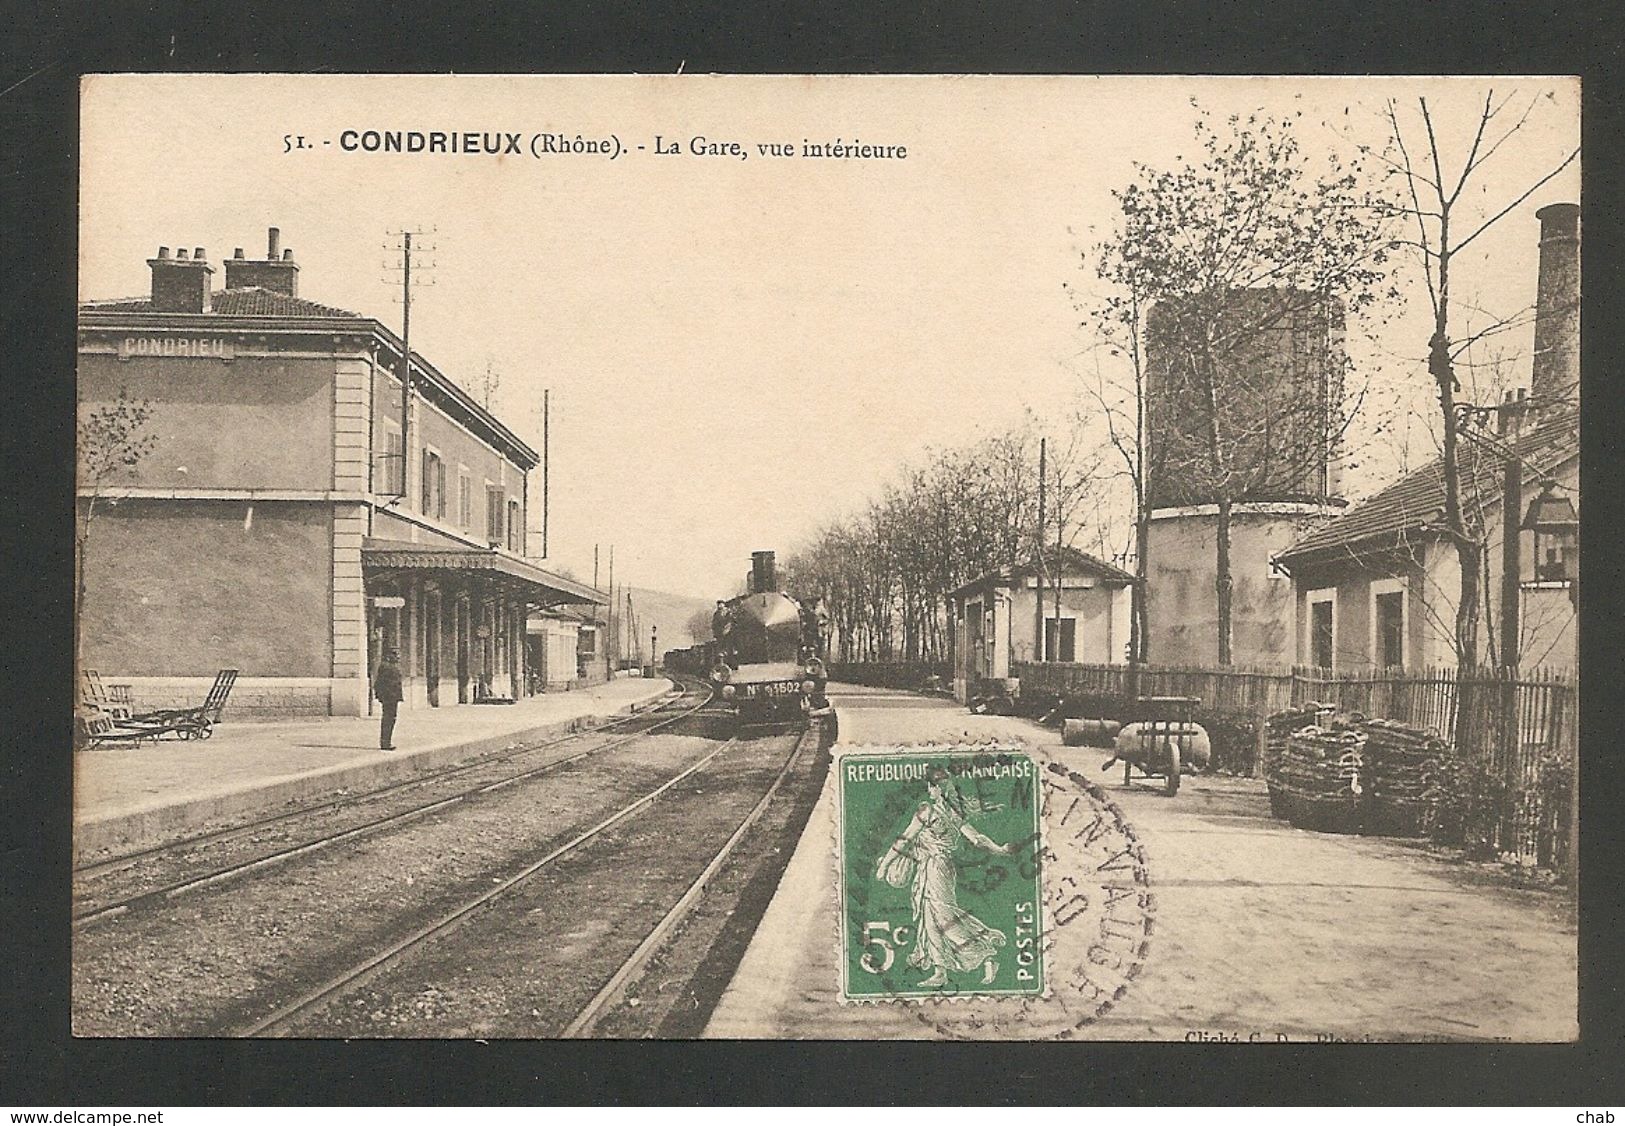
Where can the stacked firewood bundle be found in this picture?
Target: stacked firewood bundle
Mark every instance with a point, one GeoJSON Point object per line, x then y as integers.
{"type": "Point", "coordinates": [1278, 728]}
{"type": "Point", "coordinates": [1399, 760]}
{"type": "Point", "coordinates": [1317, 781]}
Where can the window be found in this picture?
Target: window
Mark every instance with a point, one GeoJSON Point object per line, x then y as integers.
{"type": "Point", "coordinates": [434, 484]}
{"type": "Point", "coordinates": [390, 463]}
{"type": "Point", "coordinates": [465, 499]}
{"type": "Point", "coordinates": [516, 529]}
{"type": "Point", "coordinates": [1389, 624]}
{"type": "Point", "coordinates": [495, 514]}
{"type": "Point", "coordinates": [1390, 652]}
{"type": "Point", "coordinates": [1066, 649]}
{"type": "Point", "coordinates": [1321, 630]}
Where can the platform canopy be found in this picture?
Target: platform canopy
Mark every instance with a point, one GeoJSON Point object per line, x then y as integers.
{"type": "Point", "coordinates": [395, 558]}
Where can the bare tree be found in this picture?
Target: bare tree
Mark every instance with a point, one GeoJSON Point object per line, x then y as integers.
{"type": "Point", "coordinates": [698, 625]}
{"type": "Point", "coordinates": [489, 383]}
{"type": "Point", "coordinates": [1072, 489]}
{"type": "Point", "coordinates": [885, 576]}
{"type": "Point", "coordinates": [112, 442]}
{"type": "Point", "coordinates": [1121, 408]}
{"type": "Point", "coordinates": [1234, 268]}
{"type": "Point", "coordinates": [1433, 198]}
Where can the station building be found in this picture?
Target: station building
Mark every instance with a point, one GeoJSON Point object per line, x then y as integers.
{"type": "Point", "coordinates": [566, 648]}
{"type": "Point", "coordinates": [295, 516]}
{"type": "Point", "coordinates": [1010, 616]}
{"type": "Point", "coordinates": [1377, 586]}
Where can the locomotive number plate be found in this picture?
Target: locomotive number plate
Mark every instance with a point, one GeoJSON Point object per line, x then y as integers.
{"type": "Point", "coordinates": [777, 688]}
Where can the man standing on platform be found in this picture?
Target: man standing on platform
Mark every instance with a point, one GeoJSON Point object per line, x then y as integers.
{"type": "Point", "coordinates": [386, 687]}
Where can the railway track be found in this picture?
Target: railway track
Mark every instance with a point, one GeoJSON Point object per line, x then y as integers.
{"type": "Point", "coordinates": [300, 937]}
{"type": "Point", "coordinates": [172, 869]}
{"type": "Point", "coordinates": [588, 1020]}
{"type": "Point", "coordinates": [295, 1015]}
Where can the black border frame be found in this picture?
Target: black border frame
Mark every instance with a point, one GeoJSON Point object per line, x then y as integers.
{"type": "Point", "coordinates": [52, 44]}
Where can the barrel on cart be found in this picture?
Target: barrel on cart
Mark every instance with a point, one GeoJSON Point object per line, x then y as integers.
{"type": "Point", "coordinates": [1163, 742]}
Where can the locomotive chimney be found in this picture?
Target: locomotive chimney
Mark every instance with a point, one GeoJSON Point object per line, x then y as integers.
{"type": "Point", "coordinates": [763, 574]}
{"type": "Point", "coordinates": [1557, 304]}
{"type": "Point", "coordinates": [278, 272]}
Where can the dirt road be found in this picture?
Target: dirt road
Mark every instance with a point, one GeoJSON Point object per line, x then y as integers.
{"type": "Point", "coordinates": [1261, 932]}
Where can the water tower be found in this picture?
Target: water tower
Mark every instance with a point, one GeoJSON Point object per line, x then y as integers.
{"type": "Point", "coordinates": [1256, 374]}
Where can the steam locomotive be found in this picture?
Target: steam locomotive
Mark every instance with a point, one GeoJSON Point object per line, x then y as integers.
{"type": "Point", "coordinates": [768, 658]}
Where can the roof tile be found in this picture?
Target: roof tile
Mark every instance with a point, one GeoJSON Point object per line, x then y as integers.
{"type": "Point", "coordinates": [1418, 498]}
{"type": "Point", "coordinates": [246, 301]}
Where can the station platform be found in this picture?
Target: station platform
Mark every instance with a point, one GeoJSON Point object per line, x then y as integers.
{"type": "Point", "coordinates": [788, 983]}
{"type": "Point", "coordinates": [132, 797]}
{"type": "Point", "coordinates": [1263, 932]}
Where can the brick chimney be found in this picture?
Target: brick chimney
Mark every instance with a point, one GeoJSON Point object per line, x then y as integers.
{"type": "Point", "coordinates": [1557, 302]}
{"type": "Point", "coordinates": [278, 272]}
{"type": "Point", "coordinates": [180, 284]}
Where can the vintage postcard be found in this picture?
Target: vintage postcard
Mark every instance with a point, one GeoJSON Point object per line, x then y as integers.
{"type": "Point", "coordinates": [828, 558]}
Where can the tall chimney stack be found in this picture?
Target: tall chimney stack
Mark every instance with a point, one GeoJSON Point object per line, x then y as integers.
{"type": "Point", "coordinates": [1556, 367]}
{"type": "Point", "coordinates": [278, 273]}
{"type": "Point", "coordinates": [180, 284]}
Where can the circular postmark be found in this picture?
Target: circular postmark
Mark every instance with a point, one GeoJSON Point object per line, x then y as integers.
{"type": "Point", "coordinates": [997, 897]}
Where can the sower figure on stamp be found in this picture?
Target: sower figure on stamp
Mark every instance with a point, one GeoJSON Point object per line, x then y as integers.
{"type": "Point", "coordinates": [386, 688]}
{"type": "Point", "coordinates": [947, 937]}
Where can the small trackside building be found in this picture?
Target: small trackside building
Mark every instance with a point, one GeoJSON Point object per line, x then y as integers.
{"type": "Point", "coordinates": [1009, 616]}
{"type": "Point", "coordinates": [280, 525]}
{"type": "Point", "coordinates": [1377, 587]}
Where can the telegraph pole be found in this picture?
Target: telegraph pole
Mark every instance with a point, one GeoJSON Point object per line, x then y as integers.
{"type": "Point", "coordinates": [545, 394]}
{"type": "Point", "coordinates": [1041, 641]}
{"type": "Point", "coordinates": [406, 358]}
{"type": "Point", "coordinates": [405, 251]}
{"type": "Point", "coordinates": [1511, 417]}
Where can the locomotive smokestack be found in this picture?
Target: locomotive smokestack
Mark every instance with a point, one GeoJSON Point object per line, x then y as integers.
{"type": "Point", "coordinates": [764, 576]}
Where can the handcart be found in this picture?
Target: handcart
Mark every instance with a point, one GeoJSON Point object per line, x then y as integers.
{"type": "Point", "coordinates": [1161, 743]}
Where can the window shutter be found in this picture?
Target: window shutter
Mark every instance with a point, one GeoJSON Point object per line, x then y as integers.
{"type": "Point", "coordinates": [439, 489]}
{"type": "Point", "coordinates": [493, 514]}
{"type": "Point", "coordinates": [393, 465]}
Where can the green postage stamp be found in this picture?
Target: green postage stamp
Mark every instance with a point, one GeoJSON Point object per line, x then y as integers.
{"type": "Point", "coordinates": [940, 890]}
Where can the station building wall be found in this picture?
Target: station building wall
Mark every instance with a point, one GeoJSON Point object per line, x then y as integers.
{"type": "Point", "coordinates": [181, 589]}
{"type": "Point", "coordinates": [1100, 614]}
{"type": "Point", "coordinates": [277, 412]}
{"type": "Point", "coordinates": [1548, 633]}
{"type": "Point", "coordinates": [460, 452]}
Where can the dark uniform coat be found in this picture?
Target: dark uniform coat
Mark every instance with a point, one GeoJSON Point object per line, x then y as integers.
{"type": "Point", "coordinates": [386, 683]}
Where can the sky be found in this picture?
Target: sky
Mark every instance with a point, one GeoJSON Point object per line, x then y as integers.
{"type": "Point", "coordinates": [738, 350]}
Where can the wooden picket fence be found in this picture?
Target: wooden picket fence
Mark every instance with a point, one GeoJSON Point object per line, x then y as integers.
{"type": "Point", "coordinates": [1517, 723]}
